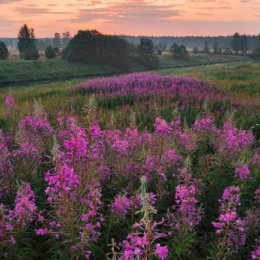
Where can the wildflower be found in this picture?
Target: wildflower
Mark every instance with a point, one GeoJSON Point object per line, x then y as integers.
{"type": "Point", "coordinates": [255, 255]}
{"type": "Point", "coordinates": [231, 140]}
{"type": "Point", "coordinates": [64, 180]}
{"type": "Point", "coordinates": [204, 125]}
{"type": "Point", "coordinates": [162, 128]}
{"type": "Point", "coordinates": [140, 243]}
{"type": "Point", "coordinates": [231, 229]}
{"type": "Point", "coordinates": [161, 251]}
{"type": "Point", "coordinates": [25, 208]}
{"type": "Point", "coordinates": [121, 206]}
{"type": "Point", "coordinates": [41, 231]}
{"type": "Point", "coordinates": [186, 206]}
{"type": "Point", "coordinates": [9, 101]}
{"type": "Point", "coordinates": [242, 172]}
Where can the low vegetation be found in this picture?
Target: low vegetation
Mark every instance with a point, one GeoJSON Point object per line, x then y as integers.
{"type": "Point", "coordinates": [163, 159]}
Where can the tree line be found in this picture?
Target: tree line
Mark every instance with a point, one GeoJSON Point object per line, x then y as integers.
{"type": "Point", "coordinates": [92, 47]}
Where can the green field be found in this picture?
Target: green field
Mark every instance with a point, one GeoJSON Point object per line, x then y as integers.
{"type": "Point", "coordinates": [239, 77]}
{"type": "Point", "coordinates": [23, 72]}
{"type": "Point", "coordinates": [198, 60]}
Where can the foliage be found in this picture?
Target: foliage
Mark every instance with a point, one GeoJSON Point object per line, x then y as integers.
{"type": "Point", "coordinates": [206, 48]}
{"type": "Point", "coordinates": [3, 51]}
{"type": "Point", "coordinates": [236, 42]}
{"type": "Point", "coordinates": [195, 50]}
{"type": "Point", "coordinates": [145, 54]}
{"type": "Point", "coordinates": [57, 40]}
{"type": "Point", "coordinates": [179, 51]}
{"type": "Point", "coordinates": [94, 48]}
{"type": "Point", "coordinates": [216, 49]}
{"type": "Point", "coordinates": [50, 52]}
{"type": "Point", "coordinates": [26, 43]}
{"type": "Point", "coordinates": [239, 43]}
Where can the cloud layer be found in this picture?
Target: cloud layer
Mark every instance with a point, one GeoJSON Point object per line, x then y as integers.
{"type": "Point", "coordinates": [146, 17]}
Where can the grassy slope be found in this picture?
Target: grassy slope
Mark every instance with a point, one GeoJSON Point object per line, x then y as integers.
{"type": "Point", "coordinates": [19, 71]}
{"type": "Point", "coordinates": [241, 78]}
{"type": "Point", "coordinates": [199, 59]}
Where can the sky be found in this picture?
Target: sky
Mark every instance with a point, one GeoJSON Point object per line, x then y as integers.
{"type": "Point", "coordinates": [136, 17]}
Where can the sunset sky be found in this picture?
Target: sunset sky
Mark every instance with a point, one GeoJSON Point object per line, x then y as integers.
{"type": "Point", "coordinates": [136, 17]}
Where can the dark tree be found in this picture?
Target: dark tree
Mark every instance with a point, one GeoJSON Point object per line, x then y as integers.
{"type": "Point", "coordinates": [256, 51]}
{"type": "Point", "coordinates": [26, 43]}
{"type": "Point", "coordinates": [57, 40]}
{"type": "Point", "coordinates": [179, 51]}
{"type": "Point", "coordinates": [236, 43]}
{"type": "Point", "coordinates": [3, 51]}
{"type": "Point", "coordinates": [195, 50]}
{"type": "Point", "coordinates": [216, 49]}
{"type": "Point", "coordinates": [66, 37]}
{"type": "Point", "coordinates": [206, 47]}
{"type": "Point", "coordinates": [243, 44]}
{"type": "Point", "coordinates": [50, 52]}
{"type": "Point", "coordinates": [145, 54]}
{"type": "Point", "coordinates": [95, 48]}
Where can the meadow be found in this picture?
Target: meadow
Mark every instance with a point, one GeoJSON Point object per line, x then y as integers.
{"type": "Point", "coordinates": [149, 165]}
{"type": "Point", "coordinates": [22, 72]}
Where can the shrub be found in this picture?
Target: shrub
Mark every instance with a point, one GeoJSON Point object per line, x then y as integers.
{"type": "Point", "coordinates": [145, 54]}
{"type": "Point", "coordinates": [94, 48]}
{"type": "Point", "coordinates": [179, 51]}
{"type": "Point", "coordinates": [3, 51]}
{"type": "Point", "coordinates": [50, 52]}
{"type": "Point", "coordinates": [30, 53]}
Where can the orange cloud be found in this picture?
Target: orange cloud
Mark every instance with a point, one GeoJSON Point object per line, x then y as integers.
{"type": "Point", "coordinates": [145, 17]}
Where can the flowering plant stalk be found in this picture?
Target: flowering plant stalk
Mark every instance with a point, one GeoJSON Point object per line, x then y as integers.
{"type": "Point", "coordinates": [142, 244]}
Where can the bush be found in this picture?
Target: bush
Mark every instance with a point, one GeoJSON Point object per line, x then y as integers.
{"type": "Point", "coordinates": [179, 51]}
{"type": "Point", "coordinates": [94, 48]}
{"type": "Point", "coordinates": [50, 52]}
{"type": "Point", "coordinates": [256, 53]}
{"type": "Point", "coordinates": [145, 54]}
{"type": "Point", "coordinates": [195, 50]}
{"type": "Point", "coordinates": [30, 53]}
{"type": "Point", "coordinates": [3, 51]}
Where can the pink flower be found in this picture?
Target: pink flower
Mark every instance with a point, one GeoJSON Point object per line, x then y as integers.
{"type": "Point", "coordinates": [162, 128]}
{"type": "Point", "coordinates": [242, 172]}
{"type": "Point", "coordinates": [228, 217]}
{"type": "Point", "coordinates": [9, 101]}
{"type": "Point", "coordinates": [121, 206]}
{"type": "Point", "coordinates": [41, 231]}
{"type": "Point", "coordinates": [186, 205]}
{"type": "Point", "coordinates": [161, 251]}
{"type": "Point", "coordinates": [255, 255]}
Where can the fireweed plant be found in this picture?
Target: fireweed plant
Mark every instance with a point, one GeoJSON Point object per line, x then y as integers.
{"type": "Point", "coordinates": [180, 186]}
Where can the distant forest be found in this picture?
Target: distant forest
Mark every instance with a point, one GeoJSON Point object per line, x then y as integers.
{"type": "Point", "coordinates": [160, 42]}
{"type": "Point", "coordinates": [165, 42]}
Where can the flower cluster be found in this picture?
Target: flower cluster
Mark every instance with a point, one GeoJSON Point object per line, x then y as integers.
{"type": "Point", "coordinates": [230, 228]}
{"type": "Point", "coordinates": [242, 172]}
{"type": "Point", "coordinates": [33, 134]}
{"type": "Point", "coordinates": [140, 244]}
{"type": "Point", "coordinates": [255, 255]}
{"type": "Point", "coordinates": [232, 140]}
{"type": "Point", "coordinates": [9, 101]}
{"type": "Point", "coordinates": [121, 206]}
{"type": "Point", "coordinates": [16, 220]}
